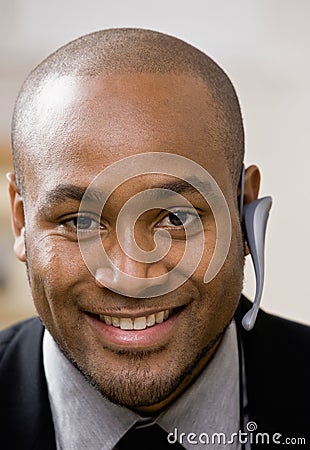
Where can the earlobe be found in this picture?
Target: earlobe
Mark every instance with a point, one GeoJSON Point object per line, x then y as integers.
{"type": "Point", "coordinates": [17, 218]}
{"type": "Point", "coordinates": [19, 246]}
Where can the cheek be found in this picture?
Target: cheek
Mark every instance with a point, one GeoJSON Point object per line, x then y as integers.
{"type": "Point", "coordinates": [192, 257]}
{"type": "Point", "coordinates": [55, 267]}
{"type": "Point", "coordinates": [58, 278]}
{"type": "Point", "coordinates": [220, 297]}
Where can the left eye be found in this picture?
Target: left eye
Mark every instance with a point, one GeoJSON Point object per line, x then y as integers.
{"type": "Point", "coordinates": [82, 223]}
{"type": "Point", "coordinates": [85, 223]}
{"type": "Point", "coordinates": [179, 219]}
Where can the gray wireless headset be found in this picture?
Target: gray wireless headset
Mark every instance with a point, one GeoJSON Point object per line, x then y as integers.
{"type": "Point", "coordinates": [254, 217]}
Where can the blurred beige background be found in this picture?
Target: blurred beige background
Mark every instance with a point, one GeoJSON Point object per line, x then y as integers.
{"type": "Point", "coordinates": [264, 45]}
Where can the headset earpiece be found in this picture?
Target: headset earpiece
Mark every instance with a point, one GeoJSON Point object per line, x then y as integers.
{"type": "Point", "coordinates": [255, 217]}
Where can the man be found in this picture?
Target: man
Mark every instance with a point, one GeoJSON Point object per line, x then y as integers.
{"type": "Point", "coordinates": [128, 148]}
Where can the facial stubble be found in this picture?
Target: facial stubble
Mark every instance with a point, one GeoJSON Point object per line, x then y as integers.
{"type": "Point", "coordinates": [135, 384]}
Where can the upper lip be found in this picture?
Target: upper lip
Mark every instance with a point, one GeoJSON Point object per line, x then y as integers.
{"type": "Point", "coordinates": [131, 307]}
{"type": "Point", "coordinates": [132, 314]}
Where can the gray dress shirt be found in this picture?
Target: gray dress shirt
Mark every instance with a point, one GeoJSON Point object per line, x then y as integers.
{"type": "Point", "coordinates": [85, 420]}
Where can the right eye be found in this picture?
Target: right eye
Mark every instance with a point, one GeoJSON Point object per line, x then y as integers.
{"type": "Point", "coordinates": [82, 223]}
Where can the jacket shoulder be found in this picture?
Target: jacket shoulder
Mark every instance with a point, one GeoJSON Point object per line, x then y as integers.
{"type": "Point", "coordinates": [25, 415]}
{"type": "Point", "coordinates": [277, 368]}
{"type": "Point", "coordinates": [281, 339]}
{"type": "Point", "coordinates": [14, 335]}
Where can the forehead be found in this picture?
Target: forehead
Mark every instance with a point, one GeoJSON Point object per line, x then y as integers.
{"type": "Point", "coordinates": [84, 124]}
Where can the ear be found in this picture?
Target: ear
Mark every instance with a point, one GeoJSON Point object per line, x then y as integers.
{"type": "Point", "coordinates": [18, 219]}
{"type": "Point", "coordinates": [251, 184]}
{"type": "Point", "coordinates": [251, 190]}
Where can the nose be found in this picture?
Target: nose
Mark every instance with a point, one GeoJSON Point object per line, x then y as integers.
{"type": "Point", "coordinates": [127, 276]}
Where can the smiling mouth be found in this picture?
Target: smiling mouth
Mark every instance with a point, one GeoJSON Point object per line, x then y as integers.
{"type": "Point", "coordinates": [129, 329]}
{"type": "Point", "coordinates": [136, 323]}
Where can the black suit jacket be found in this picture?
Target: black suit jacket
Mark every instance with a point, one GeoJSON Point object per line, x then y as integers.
{"type": "Point", "coordinates": [277, 366]}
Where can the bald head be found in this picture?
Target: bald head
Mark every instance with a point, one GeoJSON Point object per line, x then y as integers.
{"type": "Point", "coordinates": [122, 51]}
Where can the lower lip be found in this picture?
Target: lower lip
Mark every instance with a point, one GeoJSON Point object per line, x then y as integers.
{"type": "Point", "coordinates": [151, 337]}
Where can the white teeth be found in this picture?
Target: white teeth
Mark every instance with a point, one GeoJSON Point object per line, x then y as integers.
{"type": "Point", "coordinates": [150, 320]}
{"type": "Point", "coordinates": [115, 322]}
{"type": "Point", "coordinates": [159, 317]}
{"type": "Point", "coordinates": [108, 320]}
{"type": "Point", "coordinates": [125, 324]}
{"type": "Point", "coordinates": [137, 323]}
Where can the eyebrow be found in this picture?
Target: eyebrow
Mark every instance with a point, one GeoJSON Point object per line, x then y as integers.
{"type": "Point", "coordinates": [193, 185]}
{"type": "Point", "coordinates": [65, 192]}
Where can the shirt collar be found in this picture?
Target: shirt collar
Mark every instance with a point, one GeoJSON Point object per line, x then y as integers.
{"type": "Point", "coordinates": [83, 418]}
{"type": "Point", "coordinates": [211, 404]}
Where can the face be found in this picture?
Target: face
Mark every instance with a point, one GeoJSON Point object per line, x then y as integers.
{"type": "Point", "coordinates": [84, 126]}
